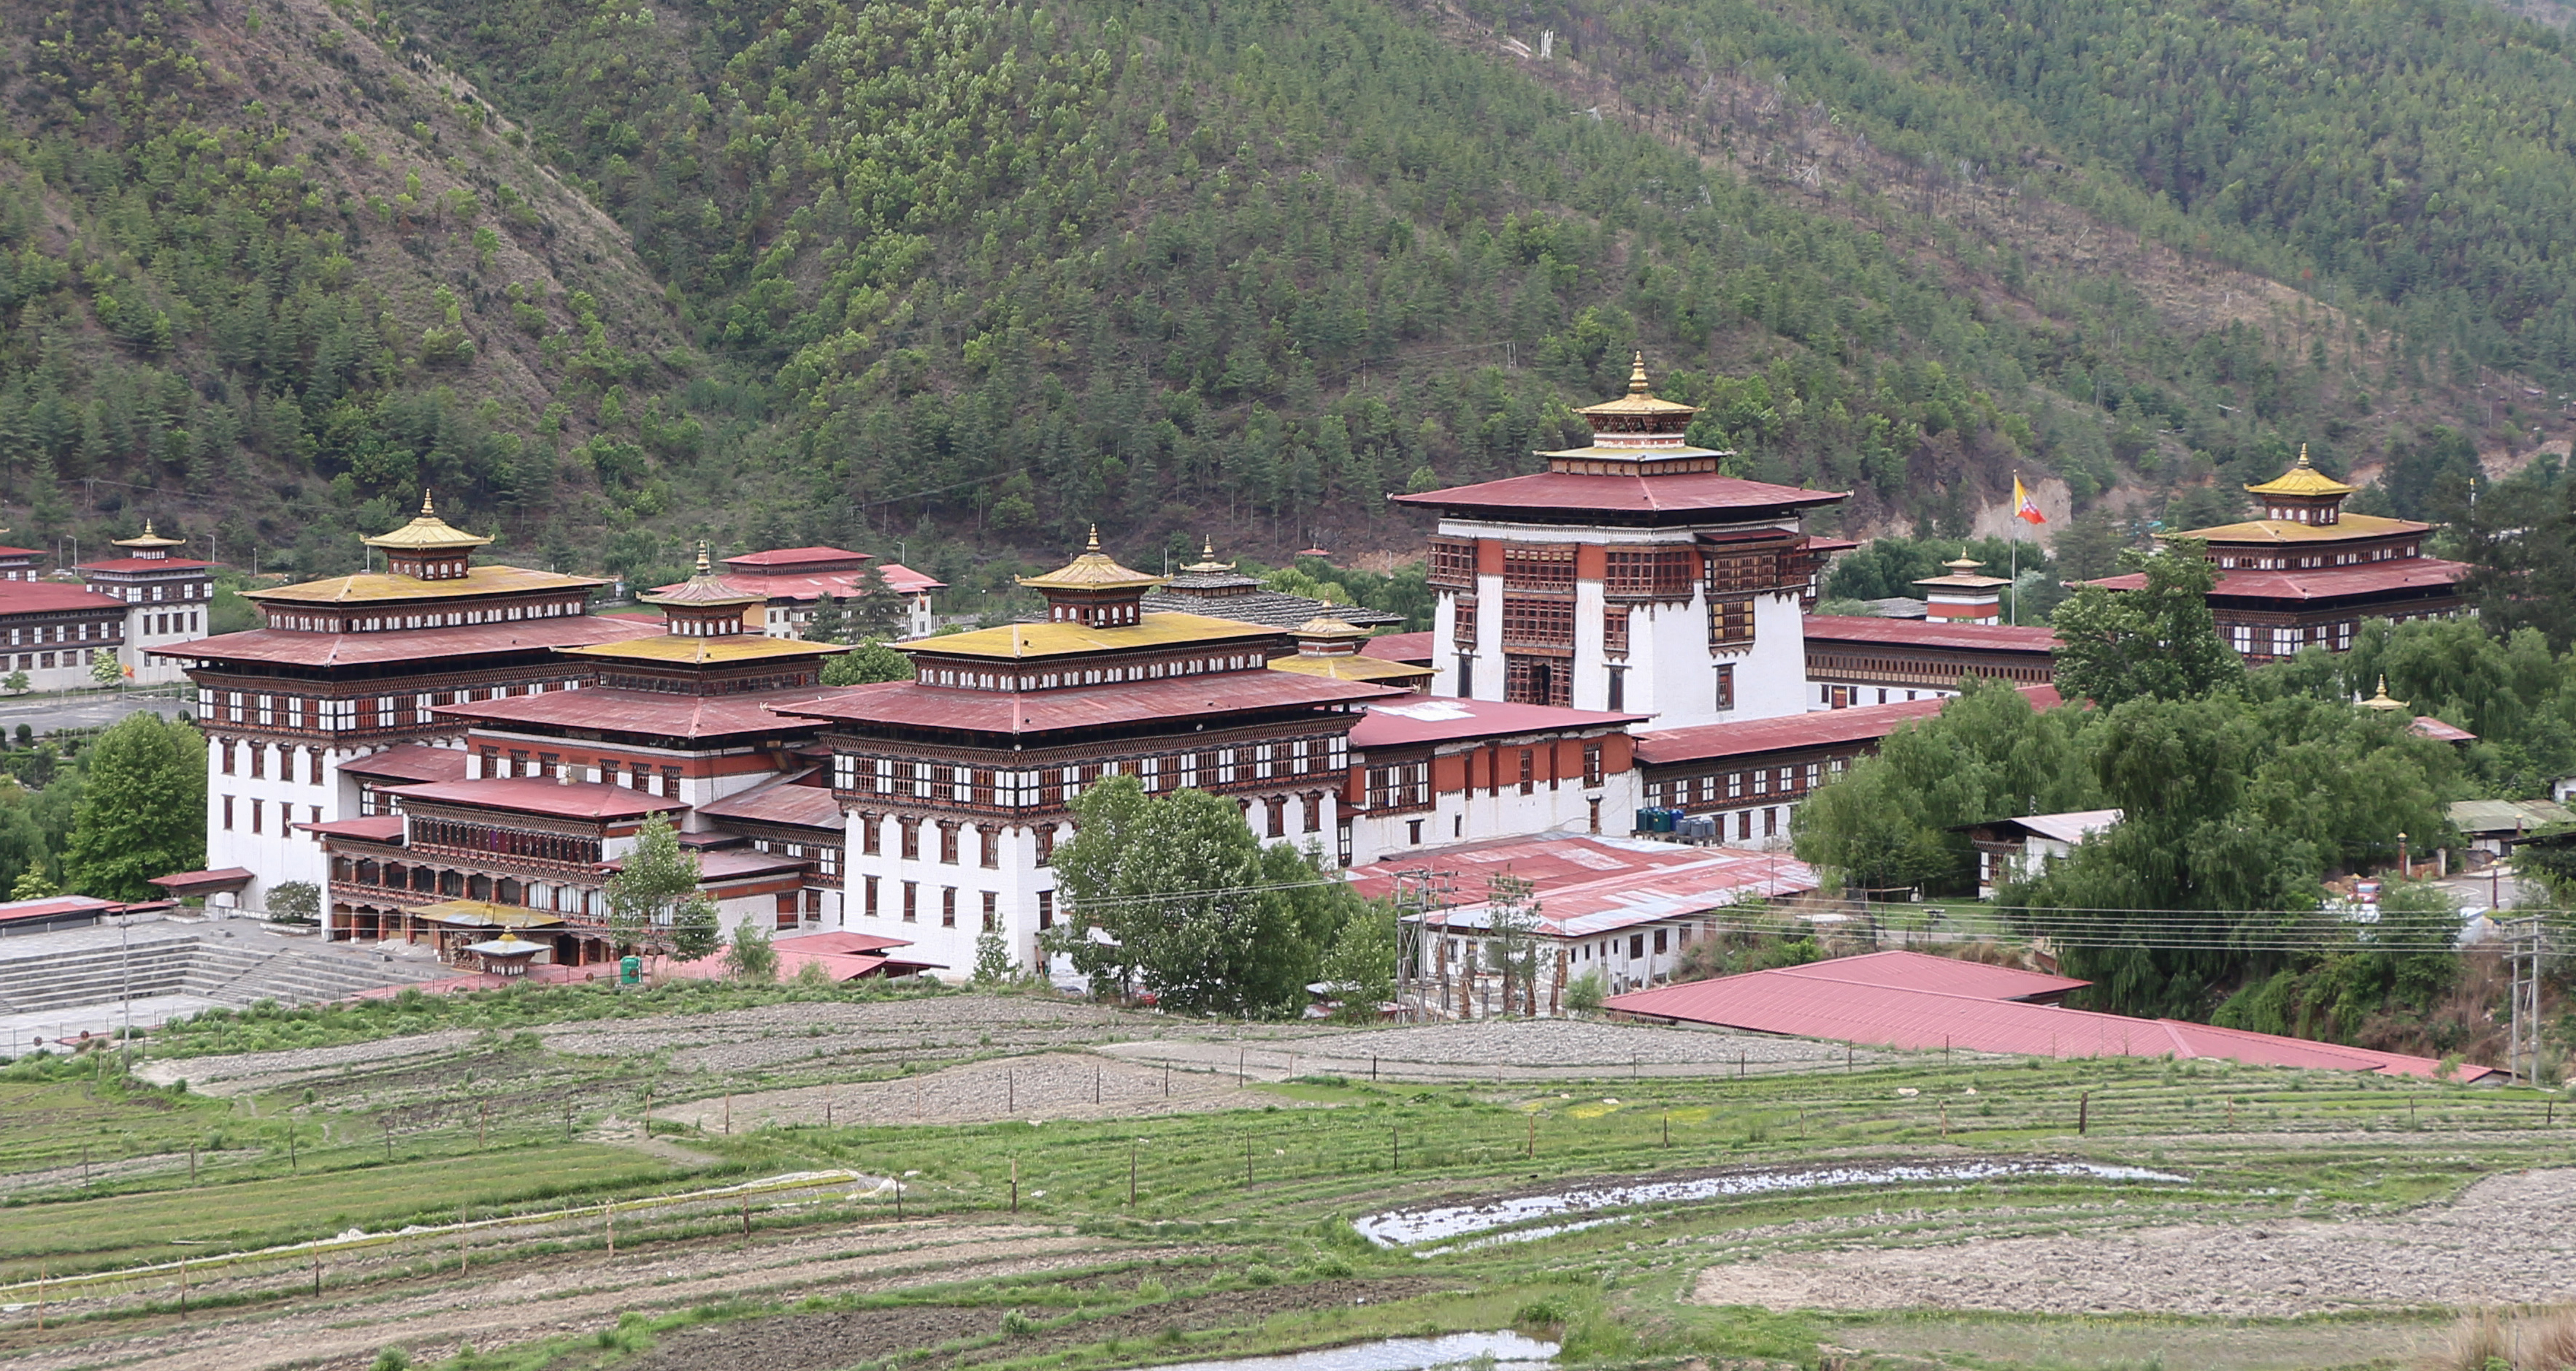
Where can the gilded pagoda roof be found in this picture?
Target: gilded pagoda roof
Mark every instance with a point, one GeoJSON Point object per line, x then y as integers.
{"type": "Point", "coordinates": [704, 590]}
{"type": "Point", "coordinates": [1324, 626]}
{"type": "Point", "coordinates": [1023, 641]}
{"type": "Point", "coordinates": [2346, 528]}
{"type": "Point", "coordinates": [147, 540]}
{"type": "Point", "coordinates": [1207, 564]}
{"type": "Point", "coordinates": [2302, 480]}
{"type": "Point", "coordinates": [1375, 670]}
{"type": "Point", "coordinates": [427, 533]}
{"type": "Point", "coordinates": [1093, 570]}
{"type": "Point", "coordinates": [1640, 399]}
{"type": "Point", "coordinates": [682, 649]}
{"type": "Point", "coordinates": [376, 586]}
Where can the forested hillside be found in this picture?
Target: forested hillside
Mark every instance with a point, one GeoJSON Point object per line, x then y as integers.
{"type": "Point", "coordinates": [971, 276]}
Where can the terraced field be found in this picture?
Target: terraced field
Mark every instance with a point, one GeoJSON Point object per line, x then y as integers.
{"type": "Point", "coordinates": [836, 1184]}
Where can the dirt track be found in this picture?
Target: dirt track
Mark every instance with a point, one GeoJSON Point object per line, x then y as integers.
{"type": "Point", "coordinates": [2507, 1240]}
{"type": "Point", "coordinates": [1051, 1085]}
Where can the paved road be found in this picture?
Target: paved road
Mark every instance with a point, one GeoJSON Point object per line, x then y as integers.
{"type": "Point", "coordinates": [45, 713]}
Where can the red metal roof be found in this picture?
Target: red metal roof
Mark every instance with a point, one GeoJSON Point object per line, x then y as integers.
{"type": "Point", "coordinates": [795, 556]}
{"type": "Point", "coordinates": [54, 906]}
{"type": "Point", "coordinates": [529, 795]}
{"type": "Point", "coordinates": [142, 564]}
{"type": "Point", "coordinates": [737, 863]}
{"type": "Point", "coordinates": [615, 710]}
{"type": "Point", "coordinates": [1550, 861]}
{"type": "Point", "coordinates": [1412, 649]}
{"type": "Point", "coordinates": [49, 597]}
{"type": "Point", "coordinates": [846, 944]}
{"type": "Point", "coordinates": [1446, 718]}
{"type": "Point", "coordinates": [410, 762]}
{"type": "Point", "coordinates": [784, 801]}
{"type": "Point", "coordinates": [2324, 583]}
{"type": "Point", "coordinates": [909, 704]}
{"type": "Point", "coordinates": [1677, 493]}
{"type": "Point", "coordinates": [1590, 885]}
{"type": "Point", "coordinates": [1820, 1006]}
{"type": "Point", "coordinates": [193, 882]}
{"type": "Point", "coordinates": [1819, 728]}
{"type": "Point", "coordinates": [288, 647]}
{"type": "Point", "coordinates": [2429, 727]}
{"type": "Point", "coordinates": [1898, 970]}
{"type": "Point", "coordinates": [375, 828]}
{"type": "Point", "coordinates": [1928, 633]}
{"type": "Point", "coordinates": [21, 552]}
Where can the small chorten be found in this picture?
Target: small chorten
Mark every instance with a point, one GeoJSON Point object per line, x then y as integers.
{"type": "Point", "coordinates": [703, 606]}
{"type": "Point", "coordinates": [1963, 596]}
{"type": "Point", "coordinates": [428, 548]}
{"type": "Point", "coordinates": [1094, 590]}
{"type": "Point", "coordinates": [1328, 637]}
{"type": "Point", "coordinates": [2380, 701]}
{"type": "Point", "coordinates": [1638, 434]}
{"type": "Point", "coordinates": [1207, 564]}
{"type": "Point", "coordinates": [149, 546]}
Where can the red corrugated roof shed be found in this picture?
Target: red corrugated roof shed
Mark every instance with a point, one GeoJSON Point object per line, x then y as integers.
{"type": "Point", "coordinates": [2428, 726]}
{"type": "Point", "coordinates": [212, 881]}
{"type": "Point", "coordinates": [1814, 1006]}
{"type": "Point", "coordinates": [1412, 649]}
{"type": "Point", "coordinates": [1818, 728]}
{"type": "Point", "coordinates": [1899, 970]}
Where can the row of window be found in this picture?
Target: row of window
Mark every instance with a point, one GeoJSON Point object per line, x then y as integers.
{"type": "Point", "coordinates": [134, 594]}
{"type": "Point", "coordinates": [1821, 664]}
{"type": "Point", "coordinates": [1716, 788]}
{"type": "Point", "coordinates": [176, 622]}
{"type": "Point", "coordinates": [504, 842]}
{"type": "Point", "coordinates": [826, 856]}
{"type": "Point", "coordinates": [2285, 640]}
{"type": "Point", "coordinates": [258, 809]}
{"type": "Point", "coordinates": [109, 631]}
{"type": "Point", "coordinates": [378, 623]}
{"type": "Point", "coordinates": [1659, 573]}
{"type": "Point", "coordinates": [989, 901]}
{"type": "Point", "coordinates": [1844, 697]}
{"type": "Point", "coordinates": [230, 756]}
{"type": "Point", "coordinates": [1163, 669]}
{"type": "Point", "coordinates": [1054, 786]}
{"type": "Point", "coordinates": [2280, 562]}
{"type": "Point", "coordinates": [359, 715]}
{"type": "Point", "coordinates": [648, 777]}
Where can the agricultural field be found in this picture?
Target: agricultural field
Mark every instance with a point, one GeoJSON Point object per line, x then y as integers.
{"type": "Point", "coordinates": [715, 1178]}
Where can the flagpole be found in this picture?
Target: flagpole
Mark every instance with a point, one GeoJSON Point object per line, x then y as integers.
{"type": "Point", "coordinates": [2016, 551]}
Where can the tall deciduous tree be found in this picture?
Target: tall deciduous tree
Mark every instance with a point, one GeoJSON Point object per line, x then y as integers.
{"type": "Point", "coordinates": [142, 809]}
{"type": "Point", "coordinates": [654, 899]}
{"type": "Point", "coordinates": [1193, 908]}
{"type": "Point", "coordinates": [867, 664]}
{"type": "Point", "coordinates": [2158, 641]}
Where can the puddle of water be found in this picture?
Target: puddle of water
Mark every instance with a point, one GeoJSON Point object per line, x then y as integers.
{"type": "Point", "coordinates": [1402, 1227]}
{"type": "Point", "coordinates": [1509, 1351]}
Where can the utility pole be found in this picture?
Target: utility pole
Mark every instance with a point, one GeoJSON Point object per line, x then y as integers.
{"type": "Point", "coordinates": [2522, 1053]}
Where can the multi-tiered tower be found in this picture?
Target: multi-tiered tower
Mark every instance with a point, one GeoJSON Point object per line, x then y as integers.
{"type": "Point", "coordinates": [1631, 575]}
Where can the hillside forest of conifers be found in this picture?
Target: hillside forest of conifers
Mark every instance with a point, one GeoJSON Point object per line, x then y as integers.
{"type": "Point", "coordinates": [952, 280]}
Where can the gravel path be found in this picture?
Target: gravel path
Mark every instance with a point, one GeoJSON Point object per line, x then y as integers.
{"type": "Point", "coordinates": [2507, 1240]}
{"type": "Point", "coordinates": [1049, 1086]}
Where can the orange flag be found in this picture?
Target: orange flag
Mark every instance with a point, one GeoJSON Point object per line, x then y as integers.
{"type": "Point", "coordinates": [2024, 507]}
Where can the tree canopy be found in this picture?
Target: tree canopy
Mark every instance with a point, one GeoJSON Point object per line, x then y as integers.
{"type": "Point", "coordinates": [142, 808]}
{"type": "Point", "coordinates": [654, 900]}
{"type": "Point", "coordinates": [2158, 641]}
{"type": "Point", "coordinates": [1196, 910]}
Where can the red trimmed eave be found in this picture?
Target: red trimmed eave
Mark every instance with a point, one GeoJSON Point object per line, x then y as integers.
{"type": "Point", "coordinates": [1928, 633]}
{"type": "Point", "coordinates": [48, 597]}
{"type": "Point", "coordinates": [2325, 583]}
{"type": "Point", "coordinates": [288, 647]}
{"type": "Point", "coordinates": [1795, 732]}
{"type": "Point", "coordinates": [1676, 493]}
{"type": "Point", "coordinates": [375, 828]}
{"type": "Point", "coordinates": [142, 564]}
{"type": "Point", "coordinates": [910, 704]}
{"type": "Point", "coordinates": [216, 881]}
{"type": "Point", "coordinates": [616, 710]}
{"type": "Point", "coordinates": [846, 944]}
{"type": "Point", "coordinates": [1443, 718]}
{"type": "Point", "coordinates": [528, 795]}
{"type": "Point", "coordinates": [797, 556]}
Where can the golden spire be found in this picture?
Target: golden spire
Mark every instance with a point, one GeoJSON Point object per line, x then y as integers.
{"type": "Point", "coordinates": [2303, 454]}
{"type": "Point", "coordinates": [1637, 373]}
{"type": "Point", "coordinates": [147, 528]}
{"type": "Point", "coordinates": [1094, 544]}
{"type": "Point", "coordinates": [705, 567]}
{"type": "Point", "coordinates": [1207, 548]}
{"type": "Point", "coordinates": [427, 507]}
{"type": "Point", "coordinates": [2381, 701]}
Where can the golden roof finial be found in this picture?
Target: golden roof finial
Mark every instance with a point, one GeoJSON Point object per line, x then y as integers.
{"type": "Point", "coordinates": [2303, 454]}
{"type": "Point", "coordinates": [705, 567]}
{"type": "Point", "coordinates": [1637, 373]}
{"type": "Point", "coordinates": [1094, 544]}
{"type": "Point", "coordinates": [1207, 549]}
{"type": "Point", "coordinates": [2381, 701]}
{"type": "Point", "coordinates": [426, 507]}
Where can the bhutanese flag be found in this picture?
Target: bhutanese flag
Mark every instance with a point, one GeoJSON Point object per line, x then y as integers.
{"type": "Point", "coordinates": [2025, 507]}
